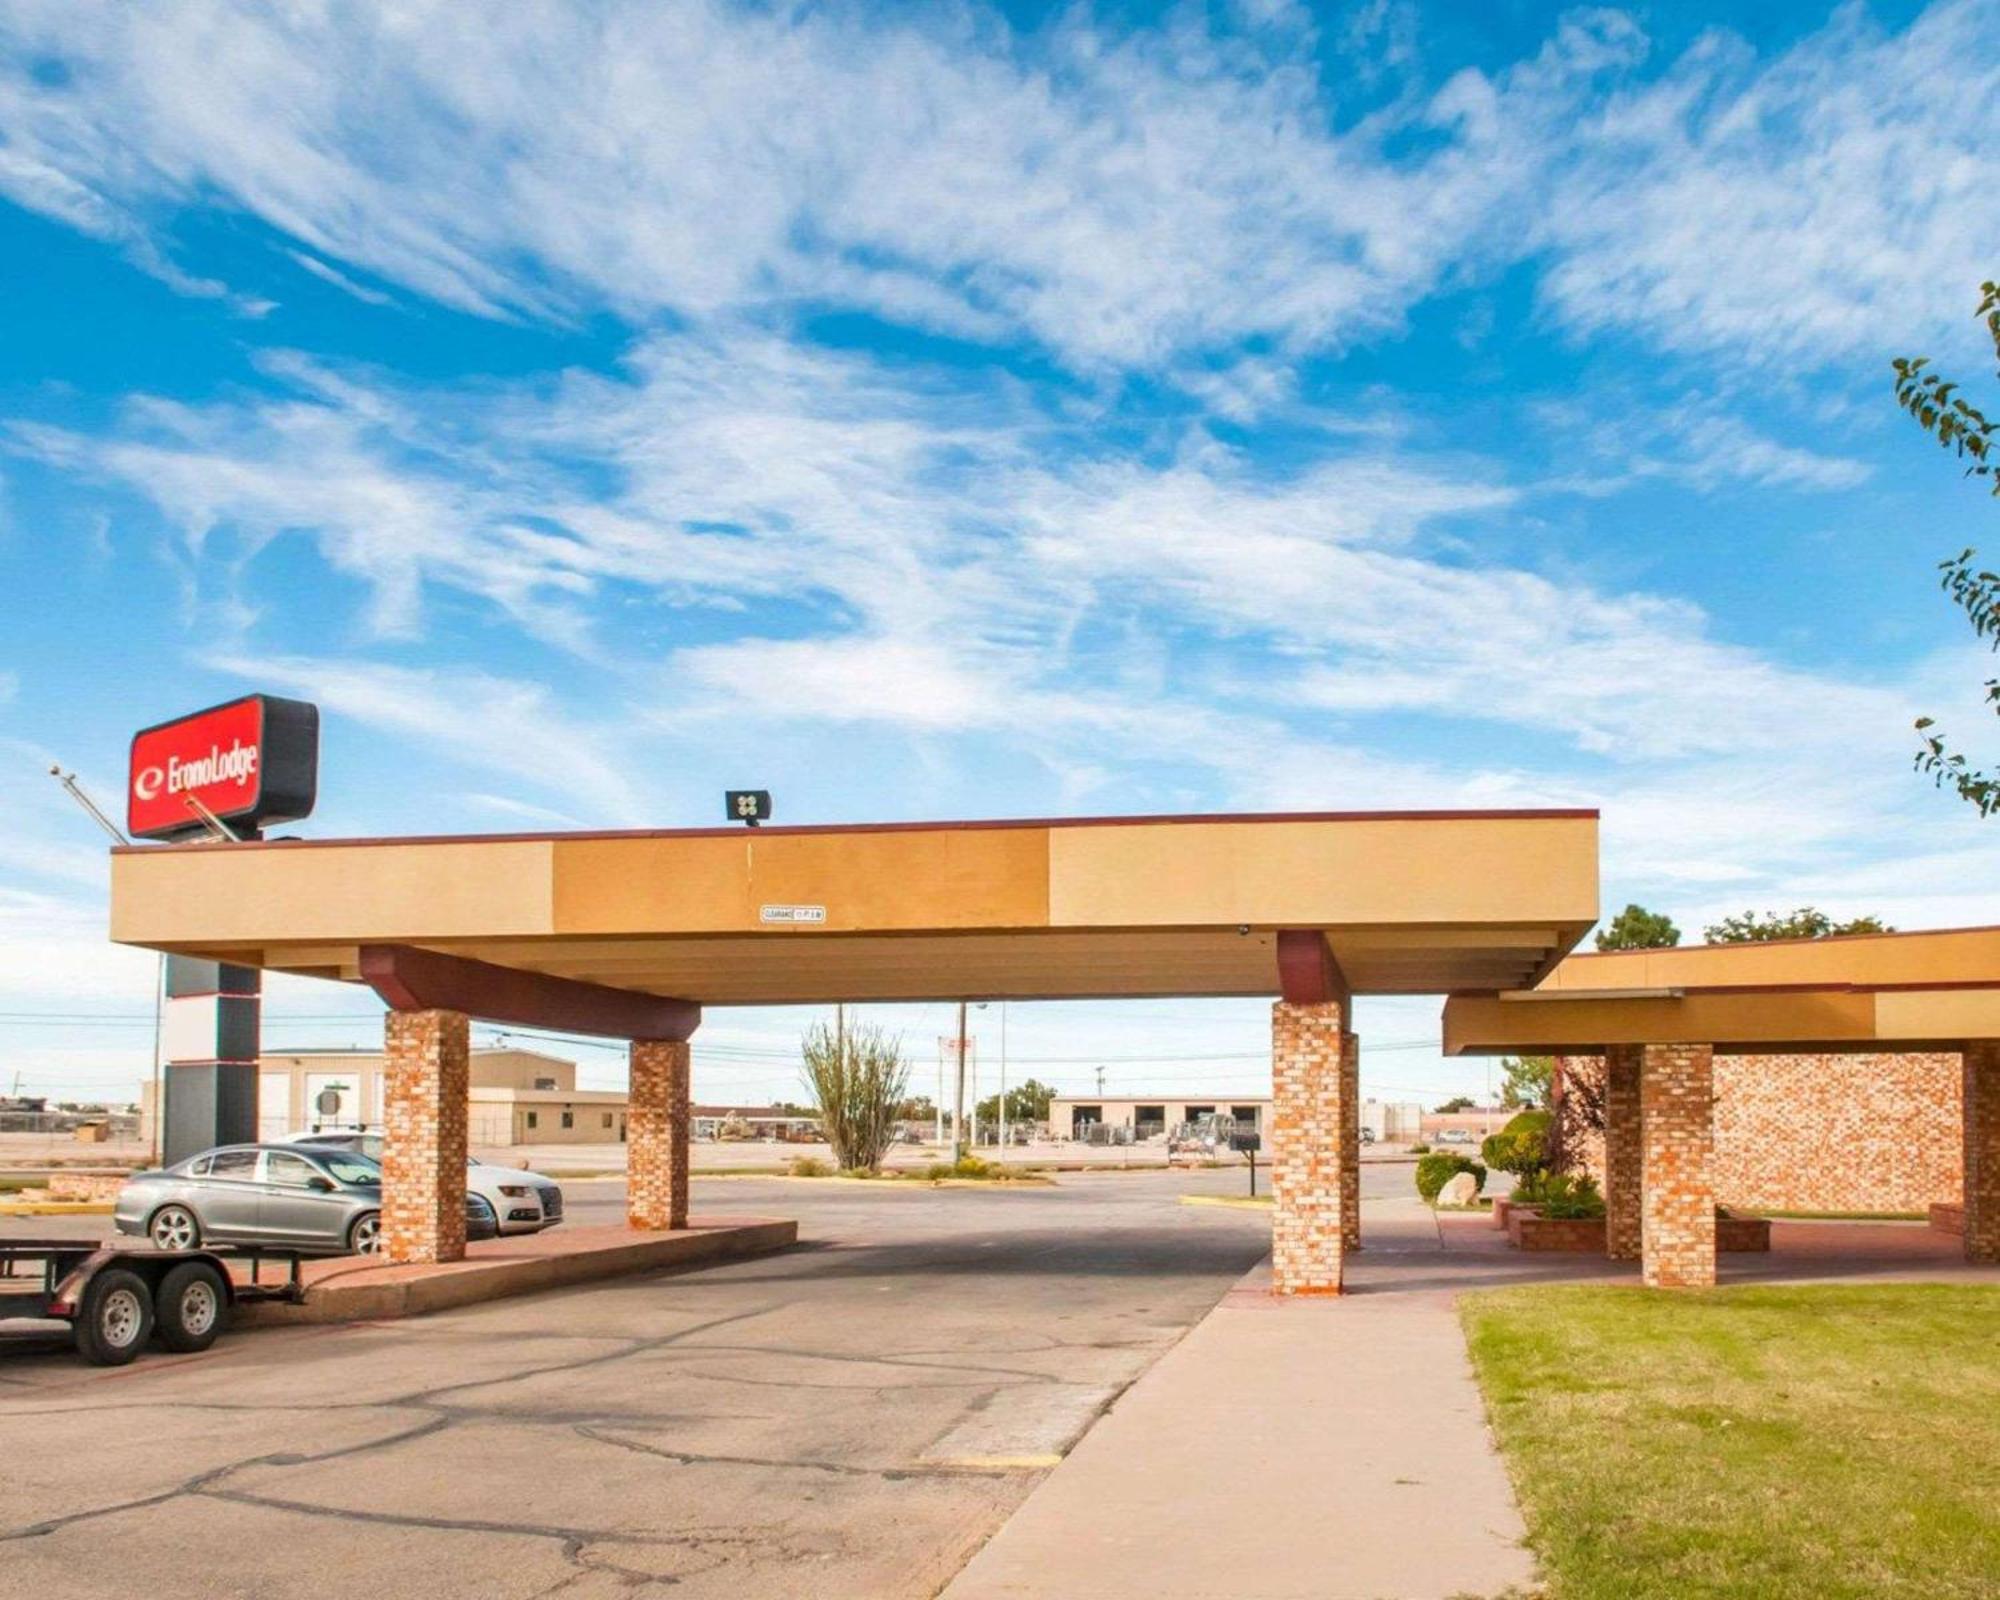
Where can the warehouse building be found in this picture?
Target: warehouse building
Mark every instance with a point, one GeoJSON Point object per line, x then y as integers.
{"type": "Point", "coordinates": [1150, 1116]}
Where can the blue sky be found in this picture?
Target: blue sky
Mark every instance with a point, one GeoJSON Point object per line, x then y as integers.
{"type": "Point", "coordinates": [946, 411]}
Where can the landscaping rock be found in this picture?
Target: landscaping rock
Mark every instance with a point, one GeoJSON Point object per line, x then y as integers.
{"type": "Point", "coordinates": [1461, 1190]}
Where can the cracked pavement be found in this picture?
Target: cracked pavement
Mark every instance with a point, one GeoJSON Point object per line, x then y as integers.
{"type": "Point", "coordinates": [854, 1417]}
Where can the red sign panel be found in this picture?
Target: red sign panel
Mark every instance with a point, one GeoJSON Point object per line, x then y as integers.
{"type": "Point", "coordinates": [251, 761]}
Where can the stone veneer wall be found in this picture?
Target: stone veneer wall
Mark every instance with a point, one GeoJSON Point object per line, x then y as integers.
{"type": "Point", "coordinates": [1621, 1153]}
{"type": "Point", "coordinates": [1677, 1202]}
{"type": "Point", "coordinates": [1827, 1132]}
{"type": "Point", "coordinates": [426, 1086]}
{"type": "Point", "coordinates": [1311, 1123]}
{"type": "Point", "coordinates": [1982, 1151]}
{"type": "Point", "coordinates": [656, 1135]}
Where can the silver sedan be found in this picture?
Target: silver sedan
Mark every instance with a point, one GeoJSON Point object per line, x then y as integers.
{"type": "Point", "coordinates": [258, 1194]}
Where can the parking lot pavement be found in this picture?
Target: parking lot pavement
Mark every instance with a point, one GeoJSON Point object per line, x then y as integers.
{"type": "Point", "coordinates": [852, 1418]}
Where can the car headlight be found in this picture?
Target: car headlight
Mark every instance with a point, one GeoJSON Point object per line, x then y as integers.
{"type": "Point", "coordinates": [516, 1191]}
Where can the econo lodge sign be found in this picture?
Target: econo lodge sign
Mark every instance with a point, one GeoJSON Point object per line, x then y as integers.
{"type": "Point", "coordinates": [252, 762]}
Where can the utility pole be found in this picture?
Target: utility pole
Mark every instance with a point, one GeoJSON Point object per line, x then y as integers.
{"type": "Point", "coordinates": [1003, 1080]}
{"type": "Point", "coordinates": [958, 1101]}
{"type": "Point", "coordinates": [1100, 1083]}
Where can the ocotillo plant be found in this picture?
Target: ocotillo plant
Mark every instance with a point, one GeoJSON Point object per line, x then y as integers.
{"type": "Point", "coordinates": [857, 1086]}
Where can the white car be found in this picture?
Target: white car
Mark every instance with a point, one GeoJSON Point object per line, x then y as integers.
{"type": "Point", "coordinates": [523, 1202]}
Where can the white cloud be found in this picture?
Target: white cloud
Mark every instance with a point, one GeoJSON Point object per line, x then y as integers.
{"type": "Point", "coordinates": [340, 280]}
{"type": "Point", "coordinates": [1118, 196]}
{"type": "Point", "coordinates": [946, 553]}
{"type": "Point", "coordinates": [1833, 202]}
{"type": "Point", "coordinates": [498, 724]}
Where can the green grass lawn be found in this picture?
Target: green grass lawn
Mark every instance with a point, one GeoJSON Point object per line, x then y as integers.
{"type": "Point", "coordinates": [1758, 1443]}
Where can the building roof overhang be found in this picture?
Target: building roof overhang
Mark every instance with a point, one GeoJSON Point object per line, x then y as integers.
{"type": "Point", "coordinates": [1408, 902]}
{"type": "Point", "coordinates": [1905, 991]}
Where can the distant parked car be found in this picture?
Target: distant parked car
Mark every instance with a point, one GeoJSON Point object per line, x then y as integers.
{"type": "Point", "coordinates": [521, 1202]}
{"type": "Point", "coordinates": [299, 1199]}
{"type": "Point", "coordinates": [1455, 1136]}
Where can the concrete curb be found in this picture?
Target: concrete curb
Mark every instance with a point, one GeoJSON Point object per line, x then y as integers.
{"type": "Point", "coordinates": [911, 1182]}
{"type": "Point", "coordinates": [372, 1293]}
{"type": "Point", "coordinates": [1235, 1202]}
{"type": "Point", "coordinates": [55, 1208]}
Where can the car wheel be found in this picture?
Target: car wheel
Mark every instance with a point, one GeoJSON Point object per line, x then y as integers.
{"type": "Point", "coordinates": [192, 1307]}
{"type": "Point", "coordinates": [116, 1318]}
{"type": "Point", "coordinates": [364, 1236]}
{"type": "Point", "coordinates": [174, 1228]}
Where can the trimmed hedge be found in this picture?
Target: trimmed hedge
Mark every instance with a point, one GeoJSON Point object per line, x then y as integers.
{"type": "Point", "coordinates": [1521, 1146]}
{"type": "Point", "coordinates": [1438, 1168]}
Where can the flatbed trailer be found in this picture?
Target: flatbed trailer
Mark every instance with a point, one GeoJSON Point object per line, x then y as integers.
{"type": "Point", "coordinates": [112, 1298]}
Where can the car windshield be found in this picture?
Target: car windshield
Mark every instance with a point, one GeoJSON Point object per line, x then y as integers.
{"type": "Point", "coordinates": [349, 1167]}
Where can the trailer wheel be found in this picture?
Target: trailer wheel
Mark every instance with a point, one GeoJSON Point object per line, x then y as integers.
{"type": "Point", "coordinates": [115, 1319]}
{"type": "Point", "coordinates": [193, 1306]}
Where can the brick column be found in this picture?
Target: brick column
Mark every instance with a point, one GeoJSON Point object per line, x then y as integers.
{"type": "Point", "coordinates": [1624, 1152]}
{"type": "Point", "coordinates": [1350, 1141]}
{"type": "Point", "coordinates": [426, 1083]}
{"type": "Point", "coordinates": [1309, 1118]}
{"type": "Point", "coordinates": [656, 1135]}
{"type": "Point", "coordinates": [1677, 1118]}
{"type": "Point", "coordinates": [1981, 1111]}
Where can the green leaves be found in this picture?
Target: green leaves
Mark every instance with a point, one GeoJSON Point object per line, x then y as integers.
{"type": "Point", "coordinates": [1807, 922]}
{"type": "Point", "coordinates": [1636, 928]}
{"type": "Point", "coordinates": [1968, 433]}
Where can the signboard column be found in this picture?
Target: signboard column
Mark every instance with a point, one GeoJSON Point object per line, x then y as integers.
{"type": "Point", "coordinates": [209, 1042]}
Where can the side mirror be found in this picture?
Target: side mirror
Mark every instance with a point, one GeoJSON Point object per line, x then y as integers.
{"type": "Point", "coordinates": [320, 1185]}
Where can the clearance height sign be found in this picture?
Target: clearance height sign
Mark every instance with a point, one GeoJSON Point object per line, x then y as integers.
{"type": "Point", "coordinates": [252, 762]}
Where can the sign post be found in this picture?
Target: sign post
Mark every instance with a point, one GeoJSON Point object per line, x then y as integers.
{"type": "Point", "coordinates": [228, 771]}
{"type": "Point", "coordinates": [1248, 1144]}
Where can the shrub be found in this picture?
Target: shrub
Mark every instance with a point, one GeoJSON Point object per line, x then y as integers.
{"type": "Point", "coordinates": [1566, 1196]}
{"type": "Point", "coordinates": [966, 1166]}
{"type": "Point", "coordinates": [1434, 1171]}
{"type": "Point", "coordinates": [1522, 1147]}
{"type": "Point", "coordinates": [1420, 1149]}
{"type": "Point", "coordinates": [810, 1167]}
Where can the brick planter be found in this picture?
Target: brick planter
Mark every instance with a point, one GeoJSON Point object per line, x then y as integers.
{"type": "Point", "coordinates": [1742, 1234]}
{"type": "Point", "coordinates": [1503, 1206]}
{"type": "Point", "coordinates": [1948, 1219]}
{"type": "Point", "coordinates": [1576, 1235]}
{"type": "Point", "coordinates": [1517, 1215]}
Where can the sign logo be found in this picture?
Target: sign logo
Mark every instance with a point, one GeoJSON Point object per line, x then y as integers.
{"type": "Point", "coordinates": [252, 762]}
{"type": "Point", "coordinates": [791, 915]}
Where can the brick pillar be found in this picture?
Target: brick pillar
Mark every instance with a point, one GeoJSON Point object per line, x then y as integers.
{"type": "Point", "coordinates": [1350, 1142]}
{"type": "Point", "coordinates": [1309, 1085]}
{"type": "Point", "coordinates": [426, 1083]}
{"type": "Point", "coordinates": [656, 1135]}
{"type": "Point", "coordinates": [1981, 1111]}
{"type": "Point", "coordinates": [1624, 1152]}
{"type": "Point", "coordinates": [1677, 1118]}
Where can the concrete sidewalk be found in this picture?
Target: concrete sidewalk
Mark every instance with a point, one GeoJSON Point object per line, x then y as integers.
{"type": "Point", "coordinates": [1303, 1450]}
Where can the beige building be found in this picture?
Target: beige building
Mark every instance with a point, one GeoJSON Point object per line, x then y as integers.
{"type": "Point", "coordinates": [1071, 1116]}
{"type": "Point", "coordinates": [1151, 1115]}
{"type": "Point", "coordinates": [517, 1097]}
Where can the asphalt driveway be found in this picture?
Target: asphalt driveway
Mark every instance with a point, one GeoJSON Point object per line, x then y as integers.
{"type": "Point", "coordinates": [852, 1418]}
